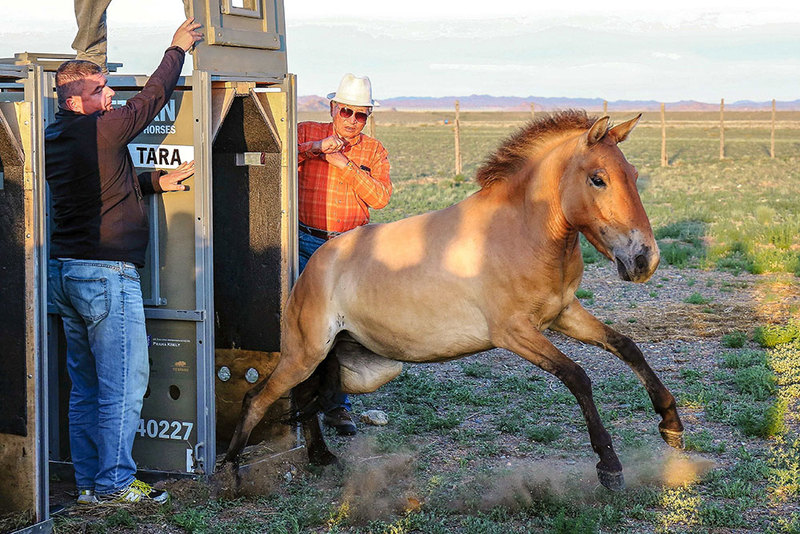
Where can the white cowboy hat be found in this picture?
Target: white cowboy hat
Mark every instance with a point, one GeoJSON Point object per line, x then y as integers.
{"type": "Point", "coordinates": [354, 90]}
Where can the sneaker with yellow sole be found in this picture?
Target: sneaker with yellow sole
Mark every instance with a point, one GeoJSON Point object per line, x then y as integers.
{"type": "Point", "coordinates": [86, 497]}
{"type": "Point", "coordinates": [136, 492]}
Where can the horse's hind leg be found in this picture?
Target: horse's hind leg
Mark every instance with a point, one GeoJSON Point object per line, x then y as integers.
{"type": "Point", "coordinates": [259, 398]}
{"type": "Point", "coordinates": [304, 399]}
{"type": "Point", "coordinates": [524, 339]}
{"type": "Point", "coordinates": [579, 324]}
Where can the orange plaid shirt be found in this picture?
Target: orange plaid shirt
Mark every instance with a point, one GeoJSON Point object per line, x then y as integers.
{"type": "Point", "coordinates": [337, 200]}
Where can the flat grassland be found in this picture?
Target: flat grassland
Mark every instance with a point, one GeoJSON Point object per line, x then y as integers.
{"type": "Point", "coordinates": [491, 444]}
{"type": "Point", "coordinates": [740, 212]}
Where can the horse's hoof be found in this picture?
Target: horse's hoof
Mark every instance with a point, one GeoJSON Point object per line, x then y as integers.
{"type": "Point", "coordinates": [613, 481]}
{"type": "Point", "coordinates": [674, 438]}
{"type": "Point", "coordinates": [322, 458]}
{"type": "Point", "coordinates": [226, 479]}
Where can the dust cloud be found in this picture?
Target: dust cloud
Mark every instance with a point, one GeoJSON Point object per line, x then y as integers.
{"type": "Point", "coordinates": [376, 484]}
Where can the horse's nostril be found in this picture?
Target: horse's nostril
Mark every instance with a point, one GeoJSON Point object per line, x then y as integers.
{"type": "Point", "coordinates": [641, 262]}
{"type": "Point", "coordinates": [623, 272]}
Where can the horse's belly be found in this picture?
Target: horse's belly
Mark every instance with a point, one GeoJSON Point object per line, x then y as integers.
{"type": "Point", "coordinates": [361, 371]}
{"type": "Point", "coordinates": [406, 347]}
{"type": "Point", "coordinates": [418, 335]}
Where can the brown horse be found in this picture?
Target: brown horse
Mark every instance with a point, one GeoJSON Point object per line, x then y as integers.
{"type": "Point", "coordinates": [494, 270]}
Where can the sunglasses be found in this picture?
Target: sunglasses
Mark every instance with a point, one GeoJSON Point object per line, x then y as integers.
{"type": "Point", "coordinates": [346, 113]}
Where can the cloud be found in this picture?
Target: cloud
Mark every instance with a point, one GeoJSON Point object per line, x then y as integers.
{"type": "Point", "coordinates": [666, 55]}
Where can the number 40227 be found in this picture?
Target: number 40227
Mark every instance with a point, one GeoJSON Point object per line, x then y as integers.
{"type": "Point", "coordinates": [179, 430]}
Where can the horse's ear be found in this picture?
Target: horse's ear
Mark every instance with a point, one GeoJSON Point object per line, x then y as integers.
{"type": "Point", "coordinates": [620, 132]}
{"type": "Point", "coordinates": [598, 130]}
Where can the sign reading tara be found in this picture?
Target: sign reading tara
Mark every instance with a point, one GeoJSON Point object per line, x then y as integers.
{"type": "Point", "coordinates": [159, 156]}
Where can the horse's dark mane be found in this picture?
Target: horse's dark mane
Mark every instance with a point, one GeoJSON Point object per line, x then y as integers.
{"type": "Point", "coordinates": [516, 149]}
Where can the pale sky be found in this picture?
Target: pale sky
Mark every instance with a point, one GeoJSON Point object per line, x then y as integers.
{"type": "Point", "coordinates": [615, 49]}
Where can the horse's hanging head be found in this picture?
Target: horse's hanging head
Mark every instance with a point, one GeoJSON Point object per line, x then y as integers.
{"type": "Point", "coordinates": [599, 198]}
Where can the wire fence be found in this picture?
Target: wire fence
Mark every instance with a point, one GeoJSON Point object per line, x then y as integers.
{"type": "Point", "coordinates": [713, 135]}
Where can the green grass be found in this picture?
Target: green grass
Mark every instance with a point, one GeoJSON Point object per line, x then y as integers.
{"type": "Point", "coordinates": [773, 335]}
{"type": "Point", "coordinates": [744, 395]}
{"type": "Point", "coordinates": [703, 441]}
{"type": "Point", "coordinates": [584, 294]}
{"type": "Point", "coordinates": [543, 433]}
{"type": "Point", "coordinates": [744, 358]}
{"type": "Point", "coordinates": [756, 381]}
{"type": "Point", "coordinates": [477, 369]}
{"type": "Point", "coordinates": [696, 298]}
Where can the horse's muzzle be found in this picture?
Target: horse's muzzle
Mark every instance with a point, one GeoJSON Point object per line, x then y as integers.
{"type": "Point", "coordinates": [638, 266]}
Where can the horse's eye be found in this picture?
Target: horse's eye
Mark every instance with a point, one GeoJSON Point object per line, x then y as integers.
{"type": "Point", "coordinates": [597, 181]}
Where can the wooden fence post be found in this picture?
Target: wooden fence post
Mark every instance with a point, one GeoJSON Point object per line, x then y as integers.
{"type": "Point", "coordinates": [722, 129]}
{"type": "Point", "coordinates": [664, 162]}
{"type": "Point", "coordinates": [458, 141]}
{"type": "Point", "coordinates": [772, 133]}
{"type": "Point", "coordinates": [533, 111]}
{"type": "Point", "coordinates": [605, 108]}
{"type": "Point", "coordinates": [371, 125]}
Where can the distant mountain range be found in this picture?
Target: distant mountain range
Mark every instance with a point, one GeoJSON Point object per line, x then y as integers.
{"type": "Point", "coordinates": [516, 103]}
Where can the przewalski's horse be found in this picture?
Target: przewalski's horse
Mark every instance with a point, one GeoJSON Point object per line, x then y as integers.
{"type": "Point", "coordinates": [494, 270]}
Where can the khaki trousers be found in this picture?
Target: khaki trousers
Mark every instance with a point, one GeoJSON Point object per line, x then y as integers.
{"type": "Point", "coordinates": [90, 42]}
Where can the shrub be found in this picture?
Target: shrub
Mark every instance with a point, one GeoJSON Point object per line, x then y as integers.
{"type": "Point", "coordinates": [774, 335]}
{"type": "Point", "coordinates": [734, 340]}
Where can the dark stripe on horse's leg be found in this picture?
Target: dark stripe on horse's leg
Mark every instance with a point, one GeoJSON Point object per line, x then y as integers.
{"type": "Point", "coordinates": [537, 349]}
{"type": "Point", "coordinates": [663, 401]}
{"type": "Point", "coordinates": [609, 468]}
{"type": "Point", "coordinates": [579, 324]}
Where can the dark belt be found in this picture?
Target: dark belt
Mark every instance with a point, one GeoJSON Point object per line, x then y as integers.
{"type": "Point", "coordinates": [316, 232]}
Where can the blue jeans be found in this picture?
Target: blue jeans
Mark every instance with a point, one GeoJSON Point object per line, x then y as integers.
{"type": "Point", "coordinates": [308, 245]}
{"type": "Point", "coordinates": [100, 303]}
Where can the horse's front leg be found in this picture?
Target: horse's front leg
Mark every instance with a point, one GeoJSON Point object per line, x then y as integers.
{"type": "Point", "coordinates": [579, 324]}
{"type": "Point", "coordinates": [521, 336]}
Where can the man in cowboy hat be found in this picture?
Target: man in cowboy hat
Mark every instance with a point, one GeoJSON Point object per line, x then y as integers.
{"type": "Point", "coordinates": [342, 173]}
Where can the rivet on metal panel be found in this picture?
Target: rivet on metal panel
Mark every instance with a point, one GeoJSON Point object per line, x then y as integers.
{"type": "Point", "coordinates": [224, 373]}
{"type": "Point", "coordinates": [251, 375]}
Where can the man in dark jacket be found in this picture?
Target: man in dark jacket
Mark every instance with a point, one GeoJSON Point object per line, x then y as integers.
{"type": "Point", "coordinates": [100, 234]}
